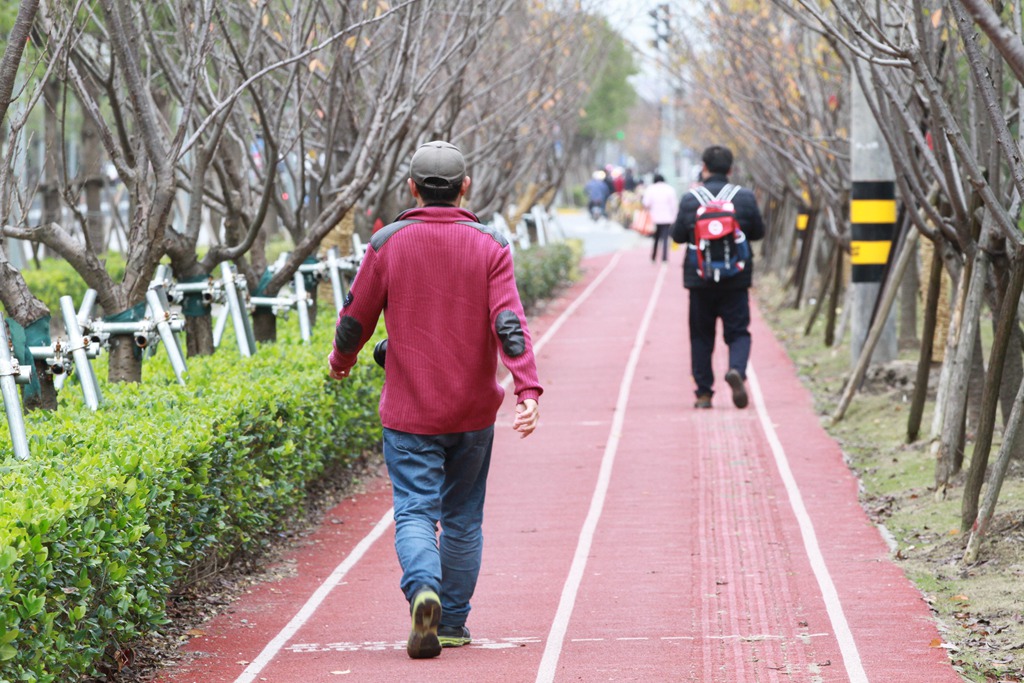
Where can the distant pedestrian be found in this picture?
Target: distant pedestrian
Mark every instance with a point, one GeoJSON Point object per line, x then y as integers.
{"type": "Point", "coordinates": [662, 204]}
{"type": "Point", "coordinates": [718, 291]}
{"type": "Point", "coordinates": [630, 181]}
{"type": "Point", "coordinates": [446, 285]}
{"type": "Point", "coordinates": [597, 192]}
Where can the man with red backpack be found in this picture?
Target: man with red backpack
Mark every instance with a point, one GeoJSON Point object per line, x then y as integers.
{"type": "Point", "coordinates": [716, 222]}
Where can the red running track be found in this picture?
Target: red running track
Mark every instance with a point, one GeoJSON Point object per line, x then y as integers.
{"type": "Point", "coordinates": [631, 538]}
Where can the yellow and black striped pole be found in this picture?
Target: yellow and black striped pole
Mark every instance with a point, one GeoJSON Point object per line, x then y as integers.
{"type": "Point", "coordinates": [872, 226]}
{"type": "Point", "coordinates": [803, 215]}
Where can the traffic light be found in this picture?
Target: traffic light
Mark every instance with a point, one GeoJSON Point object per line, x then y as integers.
{"type": "Point", "coordinates": [661, 22]}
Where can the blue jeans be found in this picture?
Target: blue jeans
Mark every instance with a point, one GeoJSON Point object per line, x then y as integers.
{"type": "Point", "coordinates": [439, 478]}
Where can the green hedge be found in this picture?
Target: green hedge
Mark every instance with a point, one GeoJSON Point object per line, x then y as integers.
{"type": "Point", "coordinates": [541, 270]}
{"type": "Point", "coordinates": [115, 507]}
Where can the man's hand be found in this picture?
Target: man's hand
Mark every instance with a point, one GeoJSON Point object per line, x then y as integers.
{"type": "Point", "coordinates": [527, 414]}
{"type": "Point", "coordinates": [334, 373]}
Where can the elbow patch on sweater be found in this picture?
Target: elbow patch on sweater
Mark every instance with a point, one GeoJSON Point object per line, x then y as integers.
{"type": "Point", "coordinates": [510, 332]}
{"type": "Point", "coordinates": [347, 334]}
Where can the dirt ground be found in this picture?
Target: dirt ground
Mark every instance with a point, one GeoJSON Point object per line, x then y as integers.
{"type": "Point", "coordinates": [979, 608]}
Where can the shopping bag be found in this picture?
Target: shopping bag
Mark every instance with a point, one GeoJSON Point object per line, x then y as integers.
{"type": "Point", "coordinates": [642, 222]}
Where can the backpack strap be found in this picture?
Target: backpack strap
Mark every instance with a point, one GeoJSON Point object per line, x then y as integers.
{"type": "Point", "coordinates": [702, 194]}
{"type": "Point", "coordinates": [727, 192]}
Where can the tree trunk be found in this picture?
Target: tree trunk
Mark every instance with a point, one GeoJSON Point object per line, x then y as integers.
{"type": "Point", "coordinates": [995, 484]}
{"type": "Point", "coordinates": [52, 153]}
{"type": "Point", "coordinates": [908, 308]}
{"type": "Point", "coordinates": [804, 260]}
{"type": "Point", "coordinates": [1006, 324]}
{"type": "Point", "coordinates": [975, 387]}
{"type": "Point", "coordinates": [1013, 372]}
{"type": "Point", "coordinates": [199, 335]}
{"type": "Point", "coordinates": [826, 281]}
{"type": "Point", "coordinates": [47, 397]}
{"type": "Point", "coordinates": [124, 366]}
{"type": "Point", "coordinates": [93, 181]}
{"type": "Point", "coordinates": [834, 296]}
{"type": "Point", "coordinates": [973, 281]}
{"type": "Point", "coordinates": [924, 361]}
{"type": "Point", "coordinates": [264, 325]}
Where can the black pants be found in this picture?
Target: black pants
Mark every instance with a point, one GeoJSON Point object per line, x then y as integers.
{"type": "Point", "coordinates": [707, 305]}
{"type": "Point", "coordinates": [661, 234]}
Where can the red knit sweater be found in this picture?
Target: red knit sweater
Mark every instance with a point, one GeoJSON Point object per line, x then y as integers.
{"type": "Point", "coordinates": [446, 290]}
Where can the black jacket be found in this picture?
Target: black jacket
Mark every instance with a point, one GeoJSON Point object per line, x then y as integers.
{"type": "Point", "coordinates": [749, 217]}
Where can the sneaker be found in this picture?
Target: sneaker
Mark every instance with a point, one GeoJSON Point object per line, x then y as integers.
{"type": "Point", "coordinates": [739, 392]}
{"type": "Point", "coordinates": [703, 401]}
{"type": "Point", "coordinates": [426, 615]}
{"type": "Point", "coordinates": [453, 636]}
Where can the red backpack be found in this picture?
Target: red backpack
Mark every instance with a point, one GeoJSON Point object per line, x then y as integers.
{"type": "Point", "coordinates": [719, 244]}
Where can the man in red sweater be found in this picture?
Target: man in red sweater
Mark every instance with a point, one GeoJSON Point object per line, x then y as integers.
{"type": "Point", "coordinates": [446, 285]}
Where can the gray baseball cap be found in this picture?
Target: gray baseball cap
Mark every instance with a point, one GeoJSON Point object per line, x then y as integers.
{"type": "Point", "coordinates": [437, 165]}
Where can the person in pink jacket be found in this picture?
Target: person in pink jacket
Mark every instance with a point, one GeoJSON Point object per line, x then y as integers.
{"type": "Point", "coordinates": [447, 289]}
{"type": "Point", "coordinates": [662, 204]}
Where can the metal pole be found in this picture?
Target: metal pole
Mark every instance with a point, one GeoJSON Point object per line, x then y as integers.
{"type": "Point", "coordinates": [239, 316]}
{"type": "Point", "coordinates": [9, 374]}
{"type": "Point", "coordinates": [76, 344]}
{"type": "Point", "coordinates": [873, 223]}
{"type": "Point", "coordinates": [163, 327]}
{"type": "Point", "coordinates": [540, 220]}
{"type": "Point", "coordinates": [222, 322]}
{"type": "Point", "coordinates": [242, 291]}
{"type": "Point", "coordinates": [84, 313]}
{"type": "Point", "coordinates": [302, 306]}
{"type": "Point", "coordinates": [334, 268]}
{"type": "Point", "coordinates": [88, 303]}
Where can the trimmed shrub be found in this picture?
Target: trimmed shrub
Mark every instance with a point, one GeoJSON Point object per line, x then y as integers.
{"type": "Point", "coordinates": [116, 506]}
{"type": "Point", "coordinates": [540, 271]}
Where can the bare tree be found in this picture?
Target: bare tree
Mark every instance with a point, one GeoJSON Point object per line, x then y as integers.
{"type": "Point", "coordinates": [24, 308]}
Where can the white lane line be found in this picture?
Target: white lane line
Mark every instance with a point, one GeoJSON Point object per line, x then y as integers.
{"type": "Point", "coordinates": [553, 647]}
{"type": "Point", "coordinates": [847, 646]}
{"type": "Point", "coordinates": [569, 310]}
{"type": "Point", "coordinates": [274, 646]}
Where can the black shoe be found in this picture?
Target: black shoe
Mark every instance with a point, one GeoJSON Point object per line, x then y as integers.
{"type": "Point", "coordinates": [739, 392]}
{"type": "Point", "coordinates": [453, 636]}
{"type": "Point", "coordinates": [426, 615]}
{"type": "Point", "coordinates": [703, 401]}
